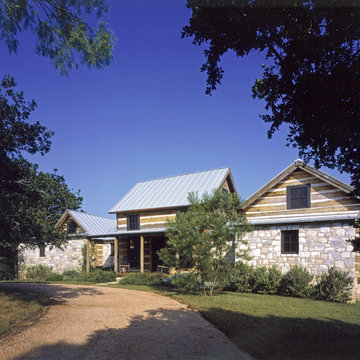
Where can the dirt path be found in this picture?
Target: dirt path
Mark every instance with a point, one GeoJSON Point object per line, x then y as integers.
{"type": "Point", "coordinates": [89, 322]}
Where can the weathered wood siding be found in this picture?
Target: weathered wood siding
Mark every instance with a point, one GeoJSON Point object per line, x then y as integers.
{"type": "Point", "coordinates": [148, 219]}
{"type": "Point", "coordinates": [64, 226]}
{"type": "Point", "coordinates": [324, 198]}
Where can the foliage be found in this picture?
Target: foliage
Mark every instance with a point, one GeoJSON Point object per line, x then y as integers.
{"type": "Point", "coordinates": [296, 282]}
{"type": "Point", "coordinates": [97, 275]}
{"type": "Point", "coordinates": [334, 286]}
{"type": "Point", "coordinates": [55, 277]}
{"type": "Point", "coordinates": [206, 236]}
{"type": "Point", "coordinates": [310, 81]}
{"type": "Point", "coordinates": [63, 30]}
{"type": "Point", "coordinates": [237, 277]}
{"type": "Point", "coordinates": [143, 279]}
{"type": "Point", "coordinates": [189, 281]}
{"type": "Point", "coordinates": [38, 272]}
{"type": "Point", "coordinates": [31, 201]}
{"type": "Point", "coordinates": [265, 280]}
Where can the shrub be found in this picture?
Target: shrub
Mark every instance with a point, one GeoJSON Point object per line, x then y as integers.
{"type": "Point", "coordinates": [189, 281]}
{"type": "Point", "coordinates": [334, 286]}
{"type": "Point", "coordinates": [236, 278]}
{"type": "Point", "coordinates": [265, 281]}
{"type": "Point", "coordinates": [54, 277]}
{"type": "Point", "coordinates": [38, 272]}
{"type": "Point", "coordinates": [143, 279]}
{"type": "Point", "coordinates": [296, 282]}
{"type": "Point", "coordinates": [99, 275]}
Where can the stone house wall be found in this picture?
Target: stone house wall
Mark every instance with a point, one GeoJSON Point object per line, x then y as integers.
{"type": "Point", "coordinates": [321, 246]}
{"type": "Point", "coordinates": [68, 258]}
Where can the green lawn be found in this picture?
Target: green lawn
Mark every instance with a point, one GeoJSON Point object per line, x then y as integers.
{"type": "Point", "coordinates": [275, 327]}
{"type": "Point", "coordinates": [17, 308]}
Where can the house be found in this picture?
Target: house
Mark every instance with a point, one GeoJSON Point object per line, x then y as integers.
{"type": "Point", "coordinates": [302, 216]}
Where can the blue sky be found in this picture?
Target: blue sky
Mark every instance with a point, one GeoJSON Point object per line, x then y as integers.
{"type": "Point", "coordinates": [147, 115]}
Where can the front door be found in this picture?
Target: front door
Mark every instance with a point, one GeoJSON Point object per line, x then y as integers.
{"type": "Point", "coordinates": [134, 253]}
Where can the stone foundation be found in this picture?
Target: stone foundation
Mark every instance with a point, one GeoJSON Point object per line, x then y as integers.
{"type": "Point", "coordinates": [321, 246]}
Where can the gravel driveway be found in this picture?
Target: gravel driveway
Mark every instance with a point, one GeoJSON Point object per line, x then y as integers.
{"type": "Point", "coordinates": [90, 322]}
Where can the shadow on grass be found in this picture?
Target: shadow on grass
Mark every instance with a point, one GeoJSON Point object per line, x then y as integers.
{"type": "Point", "coordinates": [49, 294]}
{"type": "Point", "coordinates": [156, 334]}
{"type": "Point", "coordinates": [275, 337]}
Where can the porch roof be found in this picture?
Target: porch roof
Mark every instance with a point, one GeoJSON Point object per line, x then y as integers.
{"type": "Point", "coordinates": [125, 233]}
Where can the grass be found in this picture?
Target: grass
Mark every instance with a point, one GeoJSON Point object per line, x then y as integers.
{"type": "Point", "coordinates": [17, 309]}
{"type": "Point", "coordinates": [275, 327]}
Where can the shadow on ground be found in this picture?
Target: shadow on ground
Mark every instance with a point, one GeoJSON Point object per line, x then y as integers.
{"type": "Point", "coordinates": [275, 337]}
{"type": "Point", "coordinates": [159, 334]}
{"type": "Point", "coordinates": [49, 294]}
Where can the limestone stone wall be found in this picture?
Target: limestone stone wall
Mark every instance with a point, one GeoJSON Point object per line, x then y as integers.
{"type": "Point", "coordinates": [68, 258]}
{"type": "Point", "coordinates": [321, 246]}
{"type": "Point", "coordinates": [108, 258]}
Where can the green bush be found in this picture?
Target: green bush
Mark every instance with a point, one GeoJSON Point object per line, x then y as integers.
{"type": "Point", "coordinates": [70, 273]}
{"type": "Point", "coordinates": [297, 283]}
{"type": "Point", "coordinates": [55, 277]}
{"type": "Point", "coordinates": [100, 276]}
{"type": "Point", "coordinates": [265, 280]}
{"type": "Point", "coordinates": [236, 278]}
{"type": "Point", "coordinates": [143, 279]}
{"type": "Point", "coordinates": [334, 286]}
{"type": "Point", "coordinates": [38, 272]}
{"type": "Point", "coordinates": [189, 281]}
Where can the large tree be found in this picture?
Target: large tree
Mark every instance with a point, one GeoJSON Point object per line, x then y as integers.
{"type": "Point", "coordinates": [311, 79]}
{"type": "Point", "coordinates": [31, 201]}
{"type": "Point", "coordinates": [207, 236]}
{"type": "Point", "coordinates": [69, 32]}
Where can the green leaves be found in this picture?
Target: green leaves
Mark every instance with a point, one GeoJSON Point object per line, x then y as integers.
{"type": "Point", "coordinates": [206, 236]}
{"type": "Point", "coordinates": [66, 31]}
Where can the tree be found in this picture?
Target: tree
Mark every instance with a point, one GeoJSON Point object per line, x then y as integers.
{"type": "Point", "coordinates": [62, 30]}
{"type": "Point", "coordinates": [311, 81]}
{"type": "Point", "coordinates": [205, 236]}
{"type": "Point", "coordinates": [31, 201]}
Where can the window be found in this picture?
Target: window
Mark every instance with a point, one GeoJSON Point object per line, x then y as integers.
{"type": "Point", "coordinates": [298, 197]}
{"type": "Point", "coordinates": [133, 222]}
{"type": "Point", "coordinates": [42, 250]}
{"type": "Point", "coordinates": [224, 191]}
{"type": "Point", "coordinates": [71, 227]}
{"type": "Point", "coordinates": [290, 242]}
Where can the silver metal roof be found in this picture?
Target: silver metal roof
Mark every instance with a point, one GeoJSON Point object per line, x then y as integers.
{"type": "Point", "coordinates": [170, 191]}
{"type": "Point", "coordinates": [93, 224]}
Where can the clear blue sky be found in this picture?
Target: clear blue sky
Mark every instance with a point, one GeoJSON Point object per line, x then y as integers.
{"type": "Point", "coordinates": [147, 115]}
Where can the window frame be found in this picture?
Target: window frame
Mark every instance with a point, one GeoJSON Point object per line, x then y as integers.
{"type": "Point", "coordinates": [291, 252]}
{"type": "Point", "coordinates": [71, 227]}
{"type": "Point", "coordinates": [42, 250]}
{"type": "Point", "coordinates": [131, 226]}
{"type": "Point", "coordinates": [288, 196]}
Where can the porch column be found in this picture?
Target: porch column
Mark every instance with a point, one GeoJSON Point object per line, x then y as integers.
{"type": "Point", "coordinates": [141, 254]}
{"type": "Point", "coordinates": [88, 245]}
{"type": "Point", "coordinates": [116, 254]}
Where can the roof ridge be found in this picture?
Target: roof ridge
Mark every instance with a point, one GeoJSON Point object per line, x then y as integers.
{"type": "Point", "coordinates": [188, 173]}
{"type": "Point", "coordinates": [84, 212]}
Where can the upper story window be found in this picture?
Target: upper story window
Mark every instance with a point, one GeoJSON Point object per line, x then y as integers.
{"type": "Point", "coordinates": [224, 191]}
{"type": "Point", "coordinates": [298, 197]}
{"type": "Point", "coordinates": [71, 227]}
{"type": "Point", "coordinates": [133, 222]}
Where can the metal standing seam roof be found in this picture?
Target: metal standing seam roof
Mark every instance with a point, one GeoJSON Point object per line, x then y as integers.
{"type": "Point", "coordinates": [170, 191]}
{"type": "Point", "coordinates": [93, 224]}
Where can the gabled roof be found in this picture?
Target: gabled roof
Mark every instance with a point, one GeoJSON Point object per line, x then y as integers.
{"type": "Point", "coordinates": [172, 191]}
{"type": "Point", "coordinates": [92, 224]}
{"type": "Point", "coordinates": [298, 164]}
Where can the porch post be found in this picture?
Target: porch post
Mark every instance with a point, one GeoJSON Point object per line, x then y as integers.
{"type": "Point", "coordinates": [88, 255]}
{"type": "Point", "coordinates": [141, 254]}
{"type": "Point", "coordinates": [116, 254]}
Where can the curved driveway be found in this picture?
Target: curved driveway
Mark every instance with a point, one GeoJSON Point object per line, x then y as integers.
{"type": "Point", "coordinates": [90, 322]}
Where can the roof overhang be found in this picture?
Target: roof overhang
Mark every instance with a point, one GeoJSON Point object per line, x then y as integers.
{"type": "Point", "coordinates": [126, 233]}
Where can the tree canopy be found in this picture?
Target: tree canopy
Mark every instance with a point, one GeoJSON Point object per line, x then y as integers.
{"type": "Point", "coordinates": [31, 201]}
{"type": "Point", "coordinates": [68, 32]}
{"type": "Point", "coordinates": [311, 79]}
{"type": "Point", "coordinates": [206, 237]}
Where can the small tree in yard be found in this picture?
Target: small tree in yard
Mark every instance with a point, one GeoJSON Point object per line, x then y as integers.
{"type": "Point", "coordinates": [205, 237]}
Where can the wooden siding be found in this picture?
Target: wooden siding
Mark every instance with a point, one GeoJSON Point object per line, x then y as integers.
{"type": "Point", "coordinates": [324, 198]}
{"type": "Point", "coordinates": [64, 225]}
{"type": "Point", "coordinates": [148, 219]}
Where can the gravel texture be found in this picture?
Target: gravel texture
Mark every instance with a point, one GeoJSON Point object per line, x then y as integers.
{"type": "Point", "coordinates": [90, 322]}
